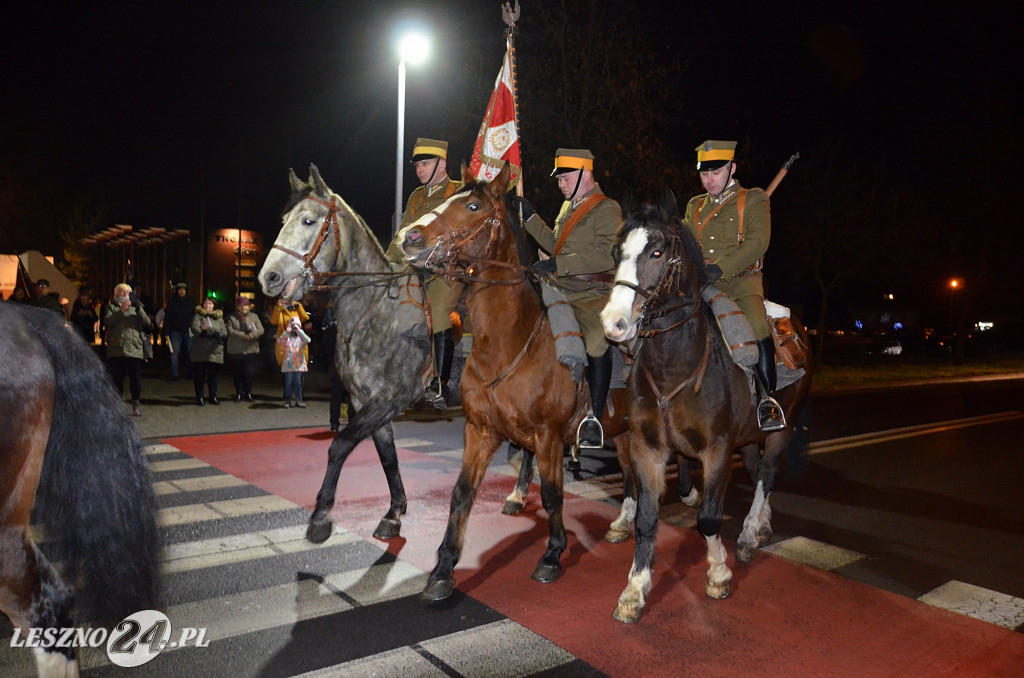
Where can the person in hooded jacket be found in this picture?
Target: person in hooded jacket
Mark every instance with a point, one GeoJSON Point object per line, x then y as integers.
{"type": "Point", "coordinates": [208, 335]}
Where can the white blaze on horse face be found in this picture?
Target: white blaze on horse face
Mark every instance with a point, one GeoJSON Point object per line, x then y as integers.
{"type": "Point", "coordinates": [414, 247]}
{"type": "Point", "coordinates": [617, 318]}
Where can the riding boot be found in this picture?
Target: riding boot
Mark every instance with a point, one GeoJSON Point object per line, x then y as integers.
{"type": "Point", "coordinates": [444, 353]}
{"type": "Point", "coordinates": [770, 416]}
{"type": "Point", "coordinates": [590, 434]}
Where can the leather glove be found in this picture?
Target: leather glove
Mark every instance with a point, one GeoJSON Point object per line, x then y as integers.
{"type": "Point", "coordinates": [713, 273]}
{"type": "Point", "coordinates": [545, 266]}
{"type": "Point", "coordinates": [523, 205]}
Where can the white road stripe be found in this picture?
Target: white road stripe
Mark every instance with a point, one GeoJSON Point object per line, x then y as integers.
{"type": "Point", "coordinates": [877, 437]}
{"type": "Point", "coordinates": [200, 484]}
{"type": "Point", "coordinates": [974, 601]}
{"type": "Point", "coordinates": [215, 510]}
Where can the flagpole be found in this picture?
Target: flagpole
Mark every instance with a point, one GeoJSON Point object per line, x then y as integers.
{"type": "Point", "coordinates": [510, 16]}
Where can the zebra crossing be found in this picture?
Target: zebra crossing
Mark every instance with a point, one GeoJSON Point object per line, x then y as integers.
{"type": "Point", "coordinates": [236, 562]}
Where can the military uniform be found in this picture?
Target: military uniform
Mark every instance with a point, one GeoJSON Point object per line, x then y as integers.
{"type": "Point", "coordinates": [733, 228]}
{"type": "Point", "coordinates": [740, 261]}
{"type": "Point", "coordinates": [585, 262]}
{"type": "Point", "coordinates": [443, 296]}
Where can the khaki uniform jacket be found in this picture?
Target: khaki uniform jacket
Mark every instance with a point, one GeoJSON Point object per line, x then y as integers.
{"type": "Point", "coordinates": [208, 343]}
{"type": "Point", "coordinates": [587, 251]}
{"type": "Point", "coordinates": [443, 297]}
{"type": "Point", "coordinates": [718, 240]}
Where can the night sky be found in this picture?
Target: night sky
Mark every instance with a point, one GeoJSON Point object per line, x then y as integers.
{"type": "Point", "coordinates": [183, 114]}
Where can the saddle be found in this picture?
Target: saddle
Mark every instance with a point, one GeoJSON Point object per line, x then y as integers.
{"type": "Point", "coordinates": [790, 348]}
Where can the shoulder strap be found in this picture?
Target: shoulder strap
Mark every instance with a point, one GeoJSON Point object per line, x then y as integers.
{"type": "Point", "coordinates": [741, 202]}
{"type": "Point", "coordinates": [584, 207]}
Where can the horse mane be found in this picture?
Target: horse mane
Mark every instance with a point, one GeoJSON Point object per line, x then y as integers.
{"type": "Point", "coordinates": [665, 219]}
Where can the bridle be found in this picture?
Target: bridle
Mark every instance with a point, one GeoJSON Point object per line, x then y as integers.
{"type": "Point", "coordinates": [656, 305]}
{"type": "Point", "coordinates": [446, 257]}
{"type": "Point", "coordinates": [314, 276]}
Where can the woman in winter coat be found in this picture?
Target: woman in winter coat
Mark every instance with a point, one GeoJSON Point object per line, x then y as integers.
{"type": "Point", "coordinates": [127, 324]}
{"type": "Point", "coordinates": [208, 335]}
{"type": "Point", "coordinates": [244, 333]}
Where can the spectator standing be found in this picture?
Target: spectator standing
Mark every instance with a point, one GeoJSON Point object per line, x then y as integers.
{"type": "Point", "coordinates": [126, 323]}
{"type": "Point", "coordinates": [177, 322]}
{"type": "Point", "coordinates": [42, 298]}
{"type": "Point", "coordinates": [84, 318]}
{"type": "Point", "coordinates": [293, 343]}
{"type": "Point", "coordinates": [208, 335]}
{"type": "Point", "coordinates": [244, 333]}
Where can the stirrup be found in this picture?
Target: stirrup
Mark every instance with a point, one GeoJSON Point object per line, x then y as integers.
{"type": "Point", "coordinates": [770, 415]}
{"type": "Point", "coordinates": [590, 443]}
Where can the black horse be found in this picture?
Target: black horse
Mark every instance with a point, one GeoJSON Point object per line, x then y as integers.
{"type": "Point", "coordinates": [686, 395]}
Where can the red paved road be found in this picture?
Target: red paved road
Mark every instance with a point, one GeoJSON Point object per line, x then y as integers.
{"type": "Point", "coordinates": [782, 619]}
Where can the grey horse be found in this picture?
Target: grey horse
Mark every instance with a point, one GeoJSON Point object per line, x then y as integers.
{"type": "Point", "coordinates": [383, 350]}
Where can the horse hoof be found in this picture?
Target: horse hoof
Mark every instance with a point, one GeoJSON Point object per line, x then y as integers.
{"type": "Point", "coordinates": [616, 536]}
{"type": "Point", "coordinates": [764, 536]}
{"type": "Point", "coordinates": [574, 466]}
{"type": "Point", "coordinates": [511, 508]}
{"type": "Point", "coordinates": [438, 590]}
{"type": "Point", "coordinates": [693, 499]}
{"type": "Point", "coordinates": [319, 531]}
{"type": "Point", "coordinates": [388, 529]}
{"type": "Point", "coordinates": [744, 553]}
{"type": "Point", "coordinates": [546, 574]}
{"type": "Point", "coordinates": [717, 591]}
{"type": "Point", "coordinates": [627, 614]}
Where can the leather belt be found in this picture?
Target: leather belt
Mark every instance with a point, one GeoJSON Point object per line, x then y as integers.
{"type": "Point", "coordinates": [595, 277]}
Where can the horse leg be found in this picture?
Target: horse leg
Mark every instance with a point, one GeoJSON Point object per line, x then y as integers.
{"type": "Point", "coordinates": [360, 424]}
{"type": "Point", "coordinates": [391, 524]}
{"type": "Point", "coordinates": [688, 492]}
{"type": "Point", "coordinates": [618, 531]}
{"type": "Point", "coordinates": [480, 445]}
{"type": "Point", "coordinates": [650, 479]}
{"type": "Point", "coordinates": [747, 542]}
{"type": "Point", "coordinates": [550, 466]}
{"type": "Point", "coordinates": [717, 461]}
{"type": "Point", "coordinates": [516, 502]}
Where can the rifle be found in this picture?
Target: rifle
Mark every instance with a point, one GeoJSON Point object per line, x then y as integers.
{"type": "Point", "coordinates": [782, 173]}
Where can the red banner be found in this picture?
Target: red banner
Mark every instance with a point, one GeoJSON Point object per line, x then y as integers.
{"type": "Point", "coordinates": [498, 139]}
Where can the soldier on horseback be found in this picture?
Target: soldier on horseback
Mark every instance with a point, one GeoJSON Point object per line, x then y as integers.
{"type": "Point", "coordinates": [430, 160]}
{"type": "Point", "coordinates": [583, 266]}
{"type": "Point", "coordinates": [733, 226]}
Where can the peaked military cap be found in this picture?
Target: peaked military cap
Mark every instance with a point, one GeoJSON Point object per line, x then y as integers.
{"type": "Point", "coordinates": [713, 154]}
{"type": "Point", "coordinates": [429, 148]}
{"type": "Point", "coordinates": [572, 159]}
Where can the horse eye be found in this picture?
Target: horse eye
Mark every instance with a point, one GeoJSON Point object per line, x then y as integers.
{"type": "Point", "coordinates": [472, 206]}
{"type": "Point", "coordinates": [308, 221]}
{"type": "Point", "coordinates": [656, 254]}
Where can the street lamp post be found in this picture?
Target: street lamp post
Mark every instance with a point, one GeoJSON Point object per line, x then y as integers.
{"type": "Point", "coordinates": [413, 48]}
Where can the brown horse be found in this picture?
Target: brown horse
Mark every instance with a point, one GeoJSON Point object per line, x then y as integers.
{"type": "Point", "coordinates": [66, 432]}
{"type": "Point", "coordinates": [686, 395]}
{"type": "Point", "coordinates": [513, 387]}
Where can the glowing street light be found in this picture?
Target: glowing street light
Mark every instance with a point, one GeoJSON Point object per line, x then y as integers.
{"type": "Point", "coordinates": [414, 48]}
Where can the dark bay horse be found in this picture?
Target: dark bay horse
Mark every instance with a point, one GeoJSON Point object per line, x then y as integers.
{"type": "Point", "coordinates": [67, 441]}
{"type": "Point", "coordinates": [686, 394]}
{"type": "Point", "coordinates": [383, 349]}
{"type": "Point", "coordinates": [513, 387]}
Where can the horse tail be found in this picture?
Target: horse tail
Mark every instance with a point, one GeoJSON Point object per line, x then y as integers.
{"type": "Point", "coordinates": [95, 495]}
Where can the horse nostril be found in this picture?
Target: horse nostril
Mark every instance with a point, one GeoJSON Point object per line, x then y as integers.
{"type": "Point", "coordinates": [413, 238]}
{"type": "Point", "coordinates": [273, 277]}
{"type": "Point", "coordinates": [621, 324]}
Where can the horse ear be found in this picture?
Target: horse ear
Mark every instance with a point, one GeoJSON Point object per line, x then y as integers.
{"type": "Point", "coordinates": [467, 176]}
{"type": "Point", "coordinates": [668, 203]}
{"type": "Point", "coordinates": [628, 202]}
{"type": "Point", "coordinates": [295, 182]}
{"type": "Point", "coordinates": [499, 185]}
{"type": "Point", "coordinates": [319, 187]}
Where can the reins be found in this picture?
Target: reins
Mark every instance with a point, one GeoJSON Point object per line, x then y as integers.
{"type": "Point", "coordinates": [655, 307]}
